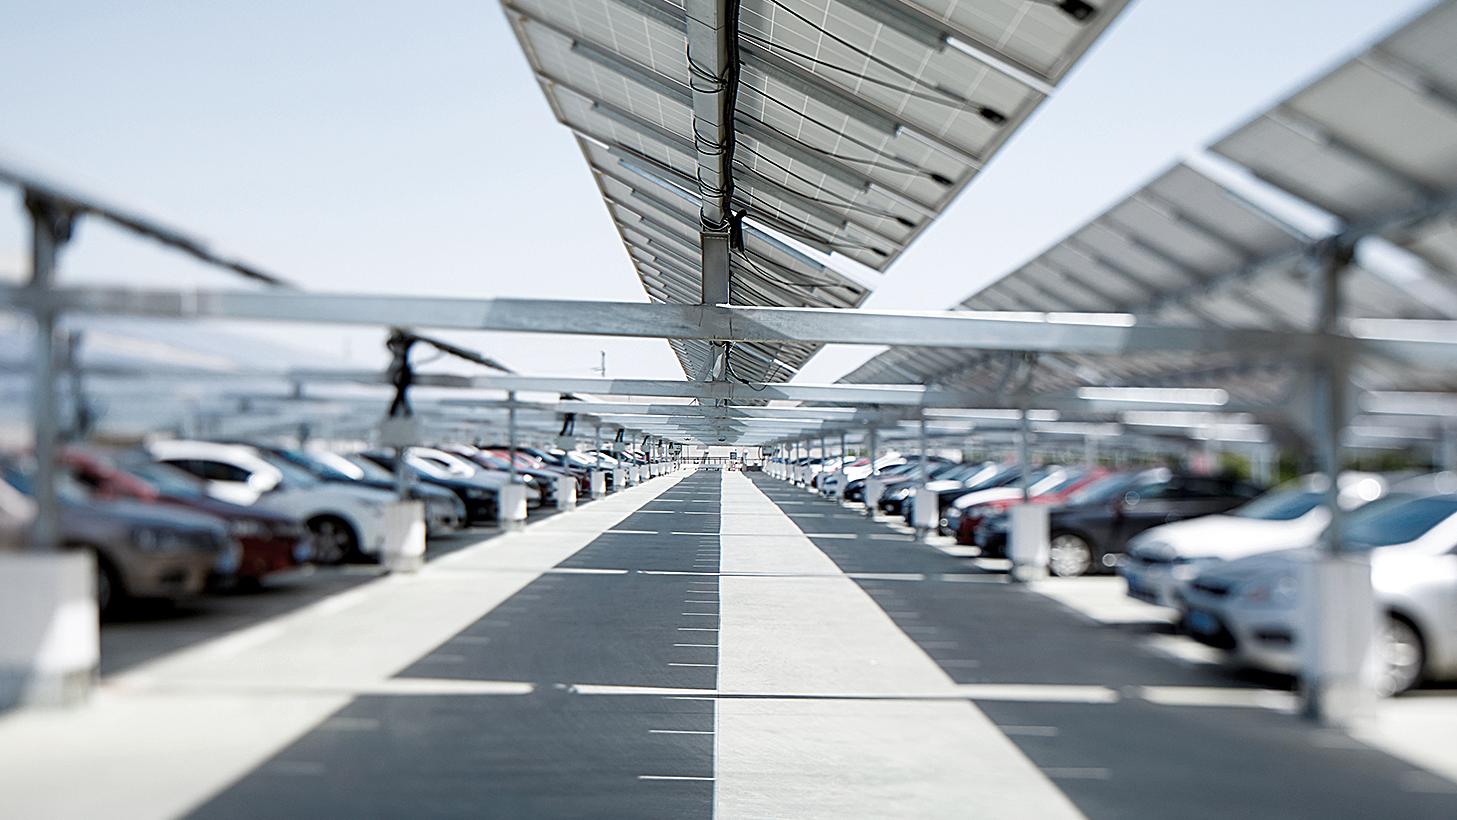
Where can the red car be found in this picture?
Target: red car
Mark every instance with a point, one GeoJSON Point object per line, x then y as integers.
{"type": "Point", "coordinates": [270, 542]}
{"type": "Point", "coordinates": [1056, 493]}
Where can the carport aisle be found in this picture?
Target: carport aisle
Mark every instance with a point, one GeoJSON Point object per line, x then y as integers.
{"type": "Point", "coordinates": [172, 734]}
{"type": "Point", "coordinates": [828, 709]}
{"type": "Point", "coordinates": [1123, 731]}
{"type": "Point", "coordinates": [549, 706]}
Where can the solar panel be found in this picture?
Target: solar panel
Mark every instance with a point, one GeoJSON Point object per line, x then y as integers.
{"type": "Point", "coordinates": [855, 123]}
{"type": "Point", "coordinates": [1371, 136]}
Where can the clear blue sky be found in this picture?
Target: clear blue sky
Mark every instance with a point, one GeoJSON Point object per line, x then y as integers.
{"type": "Point", "coordinates": [404, 147]}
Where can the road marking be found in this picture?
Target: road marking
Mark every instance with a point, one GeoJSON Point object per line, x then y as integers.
{"type": "Point", "coordinates": [1029, 731]}
{"type": "Point", "coordinates": [697, 665]}
{"type": "Point", "coordinates": [850, 535]}
{"type": "Point", "coordinates": [444, 658]}
{"type": "Point", "coordinates": [469, 640]}
{"type": "Point", "coordinates": [1038, 693]}
{"type": "Point", "coordinates": [701, 614]}
{"type": "Point", "coordinates": [698, 645]}
{"type": "Point", "coordinates": [1078, 773]}
{"type": "Point", "coordinates": [679, 732]}
{"type": "Point", "coordinates": [672, 777]}
{"type": "Point", "coordinates": [631, 532]}
{"type": "Point", "coordinates": [696, 629]}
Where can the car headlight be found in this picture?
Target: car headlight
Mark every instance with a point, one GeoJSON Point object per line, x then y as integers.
{"type": "Point", "coordinates": [247, 528]}
{"type": "Point", "coordinates": [1272, 591]}
{"type": "Point", "coordinates": [156, 539]}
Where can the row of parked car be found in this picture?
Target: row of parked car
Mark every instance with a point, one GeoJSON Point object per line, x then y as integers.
{"type": "Point", "coordinates": [1228, 557]}
{"type": "Point", "coordinates": [167, 519]}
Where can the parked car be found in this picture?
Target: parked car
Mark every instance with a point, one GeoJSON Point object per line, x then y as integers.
{"type": "Point", "coordinates": [900, 488]}
{"type": "Point", "coordinates": [986, 481]}
{"type": "Point", "coordinates": [478, 491]}
{"type": "Point", "coordinates": [1164, 558]}
{"type": "Point", "coordinates": [346, 522]}
{"type": "Point", "coordinates": [1090, 532]}
{"type": "Point", "coordinates": [963, 515]}
{"type": "Point", "coordinates": [143, 551]}
{"type": "Point", "coordinates": [887, 467]}
{"type": "Point", "coordinates": [444, 512]}
{"type": "Point", "coordinates": [271, 542]}
{"type": "Point", "coordinates": [528, 468]}
{"type": "Point", "coordinates": [1252, 607]}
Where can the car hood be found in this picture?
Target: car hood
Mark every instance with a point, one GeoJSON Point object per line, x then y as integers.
{"type": "Point", "coordinates": [1232, 537]}
{"type": "Point", "coordinates": [359, 492]}
{"type": "Point", "coordinates": [223, 509]}
{"type": "Point", "coordinates": [1240, 570]}
{"type": "Point", "coordinates": [139, 513]}
{"type": "Point", "coordinates": [987, 496]}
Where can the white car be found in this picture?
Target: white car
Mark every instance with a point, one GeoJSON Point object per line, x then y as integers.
{"type": "Point", "coordinates": [1251, 606]}
{"type": "Point", "coordinates": [449, 465]}
{"type": "Point", "coordinates": [345, 521]}
{"type": "Point", "coordinates": [1160, 560]}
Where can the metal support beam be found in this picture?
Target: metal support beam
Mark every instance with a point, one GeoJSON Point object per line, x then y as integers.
{"type": "Point", "coordinates": [1426, 343]}
{"type": "Point", "coordinates": [50, 229]}
{"type": "Point", "coordinates": [713, 62]}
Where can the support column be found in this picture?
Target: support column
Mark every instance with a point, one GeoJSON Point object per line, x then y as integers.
{"type": "Point", "coordinates": [1339, 628]}
{"type": "Point", "coordinates": [49, 638]}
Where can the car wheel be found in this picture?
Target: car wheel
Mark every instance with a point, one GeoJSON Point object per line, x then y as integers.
{"type": "Point", "coordinates": [1403, 657]}
{"type": "Point", "coordinates": [109, 591]}
{"type": "Point", "coordinates": [1069, 556]}
{"type": "Point", "coordinates": [334, 540]}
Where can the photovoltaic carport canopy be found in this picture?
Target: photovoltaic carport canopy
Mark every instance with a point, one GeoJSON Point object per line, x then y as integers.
{"type": "Point", "coordinates": [854, 124]}
{"type": "Point", "coordinates": [1370, 143]}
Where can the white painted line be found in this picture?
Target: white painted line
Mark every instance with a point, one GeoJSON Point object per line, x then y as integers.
{"type": "Point", "coordinates": [698, 645]}
{"type": "Point", "coordinates": [672, 777]}
{"type": "Point", "coordinates": [697, 665]}
{"type": "Point", "coordinates": [849, 535]}
{"type": "Point", "coordinates": [443, 658]}
{"type": "Point", "coordinates": [631, 532]}
{"type": "Point", "coordinates": [349, 724]}
{"type": "Point", "coordinates": [1029, 731]}
{"type": "Point", "coordinates": [1078, 773]}
{"type": "Point", "coordinates": [471, 640]}
{"type": "Point", "coordinates": [679, 732]}
{"type": "Point", "coordinates": [1038, 693]}
{"type": "Point", "coordinates": [701, 614]}
{"type": "Point", "coordinates": [1218, 696]}
{"type": "Point", "coordinates": [696, 629]}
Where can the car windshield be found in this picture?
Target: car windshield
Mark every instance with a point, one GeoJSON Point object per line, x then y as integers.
{"type": "Point", "coordinates": [292, 473]}
{"type": "Point", "coordinates": [322, 469]}
{"type": "Point", "coordinates": [1396, 519]}
{"type": "Point", "coordinates": [371, 471]}
{"type": "Point", "coordinates": [1104, 489]}
{"type": "Point", "coordinates": [1280, 505]}
{"type": "Point", "coordinates": [167, 480]}
{"type": "Point", "coordinates": [1057, 482]}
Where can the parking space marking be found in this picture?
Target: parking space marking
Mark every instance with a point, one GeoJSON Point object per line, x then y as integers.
{"type": "Point", "coordinates": [672, 777]}
{"type": "Point", "coordinates": [679, 732]}
{"type": "Point", "coordinates": [697, 665]}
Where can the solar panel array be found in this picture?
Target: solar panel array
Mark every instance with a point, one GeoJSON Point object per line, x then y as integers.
{"type": "Point", "coordinates": [856, 122]}
{"type": "Point", "coordinates": [1375, 137]}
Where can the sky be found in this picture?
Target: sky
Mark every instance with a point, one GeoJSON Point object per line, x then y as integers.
{"type": "Point", "coordinates": [401, 147]}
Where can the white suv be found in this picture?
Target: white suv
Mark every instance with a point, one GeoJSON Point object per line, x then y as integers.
{"type": "Point", "coordinates": [346, 522]}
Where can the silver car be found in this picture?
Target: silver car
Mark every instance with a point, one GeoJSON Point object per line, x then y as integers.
{"type": "Point", "coordinates": [1251, 606]}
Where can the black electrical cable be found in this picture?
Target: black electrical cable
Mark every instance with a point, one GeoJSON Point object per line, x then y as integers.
{"type": "Point", "coordinates": [939, 96]}
{"type": "Point", "coordinates": [989, 114]}
{"type": "Point", "coordinates": [835, 200]}
{"type": "Point", "coordinates": [909, 168]}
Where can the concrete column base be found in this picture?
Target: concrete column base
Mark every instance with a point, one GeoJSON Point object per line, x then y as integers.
{"type": "Point", "coordinates": [404, 542]}
{"type": "Point", "coordinates": [511, 512]}
{"type": "Point", "coordinates": [1028, 541]}
{"type": "Point", "coordinates": [1338, 628]}
{"type": "Point", "coordinates": [50, 643]}
{"type": "Point", "coordinates": [598, 481]}
{"type": "Point", "coordinates": [566, 493]}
